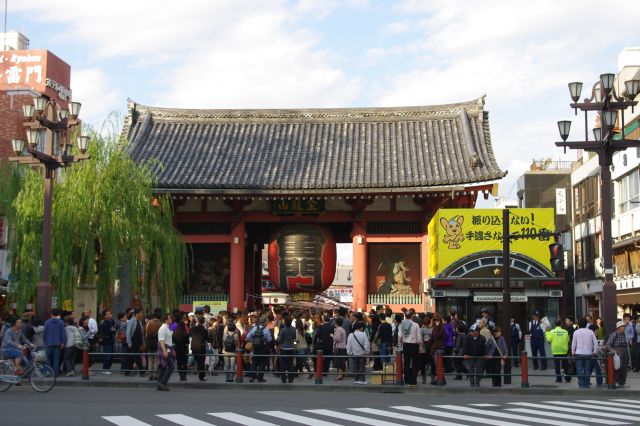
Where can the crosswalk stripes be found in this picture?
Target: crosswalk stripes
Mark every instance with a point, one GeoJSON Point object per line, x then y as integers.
{"type": "Point", "coordinates": [125, 421]}
{"type": "Point", "coordinates": [607, 403]}
{"type": "Point", "coordinates": [240, 419]}
{"type": "Point", "coordinates": [607, 412]}
{"type": "Point", "coordinates": [352, 418]}
{"type": "Point", "coordinates": [504, 415]}
{"type": "Point", "coordinates": [600, 407]}
{"type": "Point", "coordinates": [632, 401]}
{"type": "Point", "coordinates": [181, 419]}
{"type": "Point", "coordinates": [455, 416]}
{"type": "Point", "coordinates": [298, 418]}
{"type": "Point", "coordinates": [567, 416]}
{"type": "Point", "coordinates": [422, 420]}
{"type": "Point", "coordinates": [592, 411]}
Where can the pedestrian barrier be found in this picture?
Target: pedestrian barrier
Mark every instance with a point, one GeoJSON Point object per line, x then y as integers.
{"type": "Point", "coordinates": [524, 369]}
{"type": "Point", "coordinates": [320, 359]}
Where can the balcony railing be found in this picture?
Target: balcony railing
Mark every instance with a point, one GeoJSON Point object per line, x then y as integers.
{"type": "Point", "coordinates": [394, 299]}
{"type": "Point", "coordinates": [553, 166]}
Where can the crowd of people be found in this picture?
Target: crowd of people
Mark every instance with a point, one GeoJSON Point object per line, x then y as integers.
{"type": "Point", "coordinates": [283, 341]}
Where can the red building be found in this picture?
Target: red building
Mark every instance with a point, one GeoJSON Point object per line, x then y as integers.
{"type": "Point", "coordinates": [24, 75]}
{"type": "Point", "coordinates": [300, 179]}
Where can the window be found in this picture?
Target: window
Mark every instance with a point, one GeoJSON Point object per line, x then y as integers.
{"type": "Point", "coordinates": [586, 196]}
{"type": "Point", "coordinates": [628, 192]}
{"type": "Point", "coordinates": [587, 251]}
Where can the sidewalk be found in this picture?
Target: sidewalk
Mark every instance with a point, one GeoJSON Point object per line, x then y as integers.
{"type": "Point", "coordinates": [538, 384]}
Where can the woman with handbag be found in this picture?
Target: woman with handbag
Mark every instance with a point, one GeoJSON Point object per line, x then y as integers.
{"type": "Point", "coordinates": [497, 350]}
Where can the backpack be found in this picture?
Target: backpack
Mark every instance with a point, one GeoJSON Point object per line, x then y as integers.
{"type": "Point", "coordinates": [258, 338]}
{"type": "Point", "coordinates": [77, 338]}
{"type": "Point", "coordinates": [229, 343]}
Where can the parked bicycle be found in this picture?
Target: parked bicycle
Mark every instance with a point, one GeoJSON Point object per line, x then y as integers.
{"type": "Point", "coordinates": [39, 374]}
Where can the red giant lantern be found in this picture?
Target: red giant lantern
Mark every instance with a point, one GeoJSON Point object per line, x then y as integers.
{"type": "Point", "coordinates": [302, 258]}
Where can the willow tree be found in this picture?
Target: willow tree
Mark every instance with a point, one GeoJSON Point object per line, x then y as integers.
{"type": "Point", "coordinates": [106, 217]}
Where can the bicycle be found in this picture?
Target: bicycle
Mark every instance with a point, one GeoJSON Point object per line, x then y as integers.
{"type": "Point", "coordinates": [40, 375]}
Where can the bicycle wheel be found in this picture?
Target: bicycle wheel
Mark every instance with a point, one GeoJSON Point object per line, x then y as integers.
{"type": "Point", "coordinates": [5, 370]}
{"type": "Point", "coordinates": [42, 378]}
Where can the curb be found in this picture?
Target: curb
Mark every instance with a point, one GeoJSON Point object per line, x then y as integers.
{"type": "Point", "coordinates": [546, 390]}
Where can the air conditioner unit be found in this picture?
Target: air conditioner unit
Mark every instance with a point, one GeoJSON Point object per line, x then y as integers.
{"type": "Point", "coordinates": [438, 293]}
{"type": "Point", "coordinates": [555, 293]}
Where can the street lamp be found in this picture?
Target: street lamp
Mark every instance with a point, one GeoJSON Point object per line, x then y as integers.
{"type": "Point", "coordinates": [610, 106]}
{"type": "Point", "coordinates": [47, 123]}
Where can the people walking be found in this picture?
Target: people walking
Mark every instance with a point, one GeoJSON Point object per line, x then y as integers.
{"type": "Point", "coordinates": [474, 351]}
{"type": "Point", "coordinates": [199, 339]}
{"type": "Point", "coordinates": [181, 346]}
{"type": "Point", "coordinates": [340, 348]}
{"type": "Point", "coordinates": [166, 353]}
{"type": "Point", "coordinates": [537, 330]}
{"type": "Point", "coordinates": [559, 340]}
{"type": "Point", "coordinates": [55, 338]}
{"type": "Point", "coordinates": [260, 337]}
{"type": "Point", "coordinates": [516, 337]}
{"type": "Point", "coordinates": [497, 352]}
{"type": "Point", "coordinates": [107, 335]}
{"type": "Point", "coordinates": [230, 344]}
{"type": "Point", "coordinates": [410, 337]}
{"type": "Point", "coordinates": [151, 342]}
{"type": "Point", "coordinates": [135, 341]}
{"type": "Point", "coordinates": [358, 348]}
{"type": "Point", "coordinates": [584, 348]}
{"type": "Point", "coordinates": [617, 343]}
{"type": "Point", "coordinates": [286, 346]}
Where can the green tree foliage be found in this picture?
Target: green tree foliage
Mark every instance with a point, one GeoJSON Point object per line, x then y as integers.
{"type": "Point", "coordinates": [104, 220]}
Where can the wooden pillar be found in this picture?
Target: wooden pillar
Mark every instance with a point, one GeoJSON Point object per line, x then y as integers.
{"type": "Point", "coordinates": [424, 273]}
{"type": "Point", "coordinates": [236, 291]}
{"type": "Point", "coordinates": [359, 240]}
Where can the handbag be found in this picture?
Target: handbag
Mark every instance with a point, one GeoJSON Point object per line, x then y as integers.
{"type": "Point", "coordinates": [616, 361]}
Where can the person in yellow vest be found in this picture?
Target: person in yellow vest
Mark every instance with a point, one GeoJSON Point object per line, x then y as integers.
{"type": "Point", "coordinates": [559, 339]}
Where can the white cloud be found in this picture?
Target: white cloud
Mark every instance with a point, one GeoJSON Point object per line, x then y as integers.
{"type": "Point", "coordinates": [238, 53]}
{"type": "Point", "coordinates": [520, 54]}
{"type": "Point", "coordinates": [96, 93]}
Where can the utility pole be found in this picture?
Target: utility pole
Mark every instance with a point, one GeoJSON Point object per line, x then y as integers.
{"type": "Point", "coordinates": [506, 292]}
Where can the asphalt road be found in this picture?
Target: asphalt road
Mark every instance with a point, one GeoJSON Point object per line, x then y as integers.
{"type": "Point", "coordinates": [139, 407]}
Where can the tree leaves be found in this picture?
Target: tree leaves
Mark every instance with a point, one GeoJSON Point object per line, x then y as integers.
{"type": "Point", "coordinates": [103, 221]}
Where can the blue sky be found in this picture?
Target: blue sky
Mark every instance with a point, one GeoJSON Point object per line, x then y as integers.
{"type": "Point", "coordinates": [329, 53]}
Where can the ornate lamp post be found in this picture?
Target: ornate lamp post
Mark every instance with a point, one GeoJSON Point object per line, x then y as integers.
{"type": "Point", "coordinates": [50, 137]}
{"type": "Point", "coordinates": [610, 105]}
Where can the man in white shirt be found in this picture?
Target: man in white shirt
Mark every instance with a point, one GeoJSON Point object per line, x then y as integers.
{"type": "Point", "coordinates": [584, 347]}
{"type": "Point", "coordinates": [166, 354]}
{"type": "Point", "coordinates": [409, 338]}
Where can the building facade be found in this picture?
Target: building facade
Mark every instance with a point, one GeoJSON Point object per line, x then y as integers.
{"type": "Point", "coordinates": [372, 177]}
{"type": "Point", "coordinates": [547, 184]}
{"type": "Point", "coordinates": [625, 221]}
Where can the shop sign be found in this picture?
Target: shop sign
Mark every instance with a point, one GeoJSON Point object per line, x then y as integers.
{"type": "Point", "coordinates": [216, 306]}
{"type": "Point", "coordinates": [297, 206]}
{"type": "Point", "coordinates": [38, 70]}
{"type": "Point", "coordinates": [302, 297]}
{"type": "Point", "coordinates": [515, 298]}
{"type": "Point", "coordinates": [457, 233]}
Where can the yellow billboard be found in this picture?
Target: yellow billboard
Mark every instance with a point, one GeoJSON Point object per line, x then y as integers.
{"type": "Point", "coordinates": [456, 233]}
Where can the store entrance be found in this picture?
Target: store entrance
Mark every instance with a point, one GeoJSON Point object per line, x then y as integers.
{"type": "Point", "coordinates": [518, 310]}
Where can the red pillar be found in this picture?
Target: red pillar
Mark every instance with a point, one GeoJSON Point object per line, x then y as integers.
{"type": "Point", "coordinates": [236, 291]}
{"type": "Point", "coordinates": [359, 240]}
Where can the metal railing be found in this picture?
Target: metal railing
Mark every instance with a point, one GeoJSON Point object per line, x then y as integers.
{"type": "Point", "coordinates": [246, 365]}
